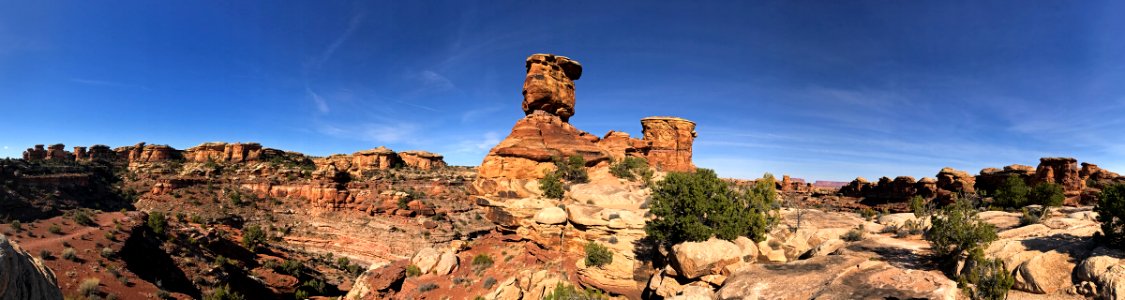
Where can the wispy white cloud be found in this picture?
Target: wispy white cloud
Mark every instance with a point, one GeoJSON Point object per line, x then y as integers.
{"type": "Point", "coordinates": [331, 49]}
{"type": "Point", "coordinates": [320, 102]}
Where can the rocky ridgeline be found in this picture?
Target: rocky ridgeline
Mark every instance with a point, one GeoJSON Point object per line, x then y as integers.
{"type": "Point", "coordinates": [511, 168]}
{"type": "Point", "coordinates": [1080, 184]}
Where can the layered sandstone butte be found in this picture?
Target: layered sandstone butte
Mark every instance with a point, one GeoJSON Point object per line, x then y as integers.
{"type": "Point", "coordinates": [422, 160]}
{"type": "Point", "coordinates": [37, 153]}
{"type": "Point", "coordinates": [223, 152]}
{"type": "Point", "coordinates": [142, 153]}
{"type": "Point", "coordinates": [23, 276]}
{"type": "Point", "coordinates": [1062, 171]}
{"type": "Point", "coordinates": [545, 134]}
{"type": "Point", "coordinates": [672, 140]}
{"type": "Point", "coordinates": [549, 85]}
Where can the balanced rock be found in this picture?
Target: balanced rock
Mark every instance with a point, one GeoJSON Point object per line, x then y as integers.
{"type": "Point", "coordinates": [551, 216]}
{"type": "Point", "coordinates": [549, 85]}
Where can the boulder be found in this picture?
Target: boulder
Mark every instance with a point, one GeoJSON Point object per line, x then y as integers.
{"type": "Point", "coordinates": [426, 259]}
{"type": "Point", "coordinates": [695, 259]}
{"type": "Point", "coordinates": [23, 276]}
{"type": "Point", "coordinates": [836, 277]}
{"type": "Point", "coordinates": [446, 263]}
{"type": "Point", "coordinates": [551, 216]}
{"type": "Point", "coordinates": [825, 248]}
{"type": "Point", "coordinates": [1045, 273]}
{"type": "Point", "coordinates": [693, 292]}
{"type": "Point", "coordinates": [507, 290]}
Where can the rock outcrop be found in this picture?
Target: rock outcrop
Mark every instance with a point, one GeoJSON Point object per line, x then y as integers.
{"type": "Point", "coordinates": [1062, 171]}
{"type": "Point", "coordinates": [544, 135]}
{"type": "Point", "coordinates": [836, 277]}
{"type": "Point", "coordinates": [23, 276]}
{"type": "Point", "coordinates": [422, 160]}
{"type": "Point", "coordinates": [549, 85]}
{"type": "Point", "coordinates": [671, 139]}
{"type": "Point", "coordinates": [223, 152]}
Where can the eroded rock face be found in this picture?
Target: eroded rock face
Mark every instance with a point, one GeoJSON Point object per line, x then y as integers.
{"type": "Point", "coordinates": [991, 178]}
{"type": "Point", "coordinates": [549, 86]}
{"type": "Point", "coordinates": [527, 153]}
{"type": "Point", "coordinates": [1060, 170]}
{"type": "Point", "coordinates": [224, 152]}
{"type": "Point", "coordinates": [671, 141]}
{"type": "Point", "coordinates": [422, 160]}
{"type": "Point", "coordinates": [23, 276]}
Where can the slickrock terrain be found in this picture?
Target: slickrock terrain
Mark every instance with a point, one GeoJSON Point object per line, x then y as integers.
{"type": "Point", "coordinates": [23, 276]}
{"type": "Point", "coordinates": [551, 211]}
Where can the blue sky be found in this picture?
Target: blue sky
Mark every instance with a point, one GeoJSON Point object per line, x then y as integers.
{"type": "Point", "coordinates": [815, 89]}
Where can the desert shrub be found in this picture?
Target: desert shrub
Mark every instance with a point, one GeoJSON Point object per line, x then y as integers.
{"type": "Point", "coordinates": [54, 228]}
{"type": "Point", "coordinates": [70, 254]}
{"type": "Point", "coordinates": [157, 222]}
{"type": "Point", "coordinates": [956, 229]}
{"type": "Point", "coordinates": [223, 293]}
{"type": "Point", "coordinates": [82, 217]}
{"type": "Point", "coordinates": [481, 262]}
{"type": "Point", "coordinates": [1111, 213]}
{"type": "Point", "coordinates": [16, 225]}
{"type": "Point", "coordinates": [551, 186]}
{"type": "Point", "coordinates": [1011, 193]}
{"type": "Point", "coordinates": [489, 282]}
{"type": "Point", "coordinates": [867, 213]}
{"type": "Point", "coordinates": [291, 267]}
{"type": "Point", "coordinates": [597, 255]}
{"type": "Point", "coordinates": [426, 287]}
{"type": "Point", "coordinates": [45, 254]}
{"type": "Point", "coordinates": [108, 252]}
{"type": "Point", "coordinates": [918, 206]}
{"type": "Point", "coordinates": [221, 261]}
{"type": "Point", "coordinates": [413, 270]}
{"type": "Point", "coordinates": [854, 235]}
{"type": "Point", "coordinates": [300, 294]}
{"type": "Point", "coordinates": [985, 278]}
{"type": "Point", "coordinates": [697, 206]}
{"type": "Point", "coordinates": [631, 168]}
{"type": "Point", "coordinates": [1046, 194]}
{"type": "Point", "coordinates": [89, 287]}
{"type": "Point", "coordinates": [315, 285]}
{"type": "Point", "coordinates": [890, 228]}
{"type": "Point", "coordinates": [343, 263]}
{"type": "Point", "coordinates": [569, 292]}
{"type": "Point", "coordinates": [1029, 216]}
{"type": "Point", "coordinates": [572, 169]}
{"type": "Point", "coordinates": [253, 237]}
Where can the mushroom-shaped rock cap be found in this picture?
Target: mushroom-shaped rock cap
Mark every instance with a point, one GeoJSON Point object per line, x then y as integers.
{"type": "Point", "coordinates": [549, 85]}
{"type": "Point", "coordinates": [570, 67]}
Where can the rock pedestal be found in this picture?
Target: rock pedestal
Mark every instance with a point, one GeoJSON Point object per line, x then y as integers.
{"type": "Point", "coordinates": [671, 140]}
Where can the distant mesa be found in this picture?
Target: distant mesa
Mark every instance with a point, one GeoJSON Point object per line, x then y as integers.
{"type": "Point", "coordinates": [1080, 183]}
{"type": "Point", "coordinates": [380, 158]}
{"type": "Point", "coordinates": [545, 134]}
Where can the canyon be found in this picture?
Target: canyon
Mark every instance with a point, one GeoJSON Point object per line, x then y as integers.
{"type": "Point", "coordinates": [153, 221]}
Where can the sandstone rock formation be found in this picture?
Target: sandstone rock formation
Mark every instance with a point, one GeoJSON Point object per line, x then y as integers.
{"type": "Point", "coordinates": [549, 85]}
{"type": "Point", "coordinates": [422, 160]}
{"type": "Point", "coordinates": [36, 153]}
{"type": "Point", "coordinates": [671, 140]}
{"type": "Point", "coordinates": [836, 277]}
{"type": "Point", "coordinates": [545, 135]}
{"type": "Point", "coordinates": [223, 152]}
{"type": "Point", "coordinates": [23, 276]}
{"type": "Point", "coordinates": [991, 178]}
{"type": "Point", "coordinates": [1060, 170]}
